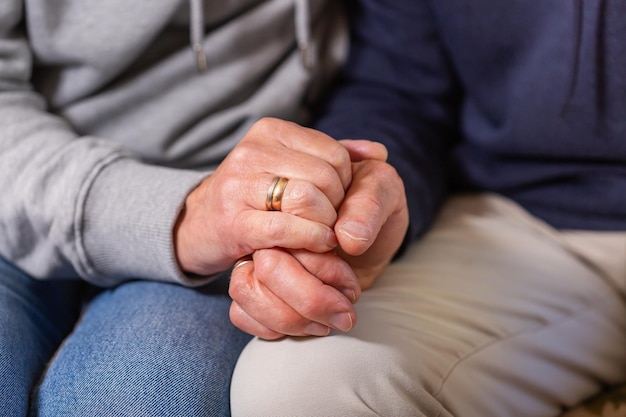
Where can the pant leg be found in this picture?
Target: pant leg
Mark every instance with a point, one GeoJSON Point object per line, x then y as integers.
{"type": "Point", "coordinates": [35, 316]}
{"type": "Point", "coordinates": [145, 349]}
{"type": "Point", "coordinates": [493, 313]}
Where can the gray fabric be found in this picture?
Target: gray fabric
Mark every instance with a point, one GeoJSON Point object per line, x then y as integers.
{"type": "Point", "coordinates": [100, 100]}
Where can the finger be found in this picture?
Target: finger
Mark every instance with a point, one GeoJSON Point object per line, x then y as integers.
{"type": "Point", "coordinates": [361, 150]}
{"type": "Point", "coordinates": [304, 200]}
{"type": "Point", "coordinates": [376, 193]}
{"type": "Point", "coordinates": [244, 322]}
{"type": "Point", "coordinates": [307, 308]}
{"type": "Point", "coordinates": [243, 270]}
{"type": "Point", "coordinates": [252, 166]}
{"type": "Point", "coordinates": [257, 310]}
{"type": "Point", "coordinates": [300, 198]}
{"type": "Point", "coordinates": [331, 270]}
{"type": "Point", "coordinates": [260, 312]}
{"type": "Point", "coordinates": [327, 267]}
{"type": "Point", "coordinates": [268, 229]}
{"type": "Point", "coordinates": [302, 140]}
{"type": "Point", "coordinates": [311, 298]}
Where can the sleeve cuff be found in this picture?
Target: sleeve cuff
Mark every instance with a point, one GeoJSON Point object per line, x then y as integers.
{"type": "Point", "coordinates": [126, 226]}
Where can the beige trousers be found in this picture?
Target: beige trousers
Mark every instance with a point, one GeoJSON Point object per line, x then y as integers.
{"type": "Point", "coordinates": [492, 313]}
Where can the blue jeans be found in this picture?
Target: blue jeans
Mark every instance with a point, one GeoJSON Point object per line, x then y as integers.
{"type": "Point", "coordinates": [140, 349]}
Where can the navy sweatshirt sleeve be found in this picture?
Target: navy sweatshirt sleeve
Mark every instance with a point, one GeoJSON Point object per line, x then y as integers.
{"type": "Point", "coordinates": [398, 88]}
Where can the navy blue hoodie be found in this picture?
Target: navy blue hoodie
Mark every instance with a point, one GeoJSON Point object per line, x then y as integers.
{"type": "Point", "coordinates": [517, 97]}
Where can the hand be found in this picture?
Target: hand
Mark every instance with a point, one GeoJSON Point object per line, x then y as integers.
{"type": "Point", "coordinates": [373, 218]}
{"type": "Point", "coordinates": [275, 295]}
{"type": "Point", "coordinates": [301, 293]}
{"type": "Point", "coordinates": [225, 217]}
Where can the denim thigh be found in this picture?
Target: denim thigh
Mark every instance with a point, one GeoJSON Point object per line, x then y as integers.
{"type": "Point", "coordinates": [146, 349]}
{"type": "Point", "coordinates": [35, 316]}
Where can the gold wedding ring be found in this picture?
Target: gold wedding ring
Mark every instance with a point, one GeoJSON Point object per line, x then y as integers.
{"type": "Point", "coordinates": [273, 201]}
{"type": "Point", "coordinates": [242, 261]}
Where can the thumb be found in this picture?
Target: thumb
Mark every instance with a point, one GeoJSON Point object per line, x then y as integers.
{"type": "Point", "coordinates": [361, 149]}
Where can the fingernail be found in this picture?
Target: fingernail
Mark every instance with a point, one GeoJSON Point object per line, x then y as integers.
{"type": "Point", "coordinates": [317, 329]}
{"type": "Point", "coordinates": [332, 239]}
{"type": "Point", "coordinates": [355, 230]}
{"type": "Point", "coordinates": [350, 294]}
{"type": "Point", "coordinates": [341, 321]}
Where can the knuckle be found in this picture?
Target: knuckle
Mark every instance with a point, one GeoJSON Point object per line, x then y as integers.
{"type": "Point", "coordinates": [242, 154]}
{"type": "Point", "coordinates": [390, 172]}
{"type": "Point", "coordinates": [316, 302]}
{"type": "Point", "coordinates": [325, 176]}
{"type": "Point", "coordinates": [339, 156]}
{"type": "Point", "coordinates": [302, 194]}
{"type": "Point", "coordinates": [241, 286]}
{"type": "Point", "coordinates": [385, 181]}
{"type": "Point", "coordinates": [275, 227]}
{"type": "Point", "coordinates": [386, 174]}
{"type": "Point", "coordinates": [229, 187]}
{"type": "Point", "coordinates": [333, 269]}
{"type": "Point", "coordinates": [283, 324]}
{"type": "Point", "coordinates": [271, 127]}
{"type": "Point", "coordinates": [263, 125]}
{"type": "Point", "coordinates": [239, 323]}
{"type": "Point", "coordinates": [369, 204]}
{"type": "Point", "coordinates": [236, 287]}
{"type": "Point", "coordinates": [329, 182]}
{"type": "Point", "coordinates": [264, 266]}
{"type": "Point", "coordinates": [235, 316]}
{"type": "Point", "coordinates": [310, 307]}
{"type": "Point", "coordinates": [316, 238]}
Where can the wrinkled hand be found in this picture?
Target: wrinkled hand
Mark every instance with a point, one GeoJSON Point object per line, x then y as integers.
{"type": "Point", "coordinates": [299, 293]}
{"type": "Point", "coordinates": [225, 217]}
{"type": "Point", "coordinates": [303, 288]}
{"type": "Point", "coordinates": [296, 293]}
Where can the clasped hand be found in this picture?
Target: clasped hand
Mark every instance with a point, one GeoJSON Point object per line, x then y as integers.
{"type": "Point", "coordinates": [343, 216]}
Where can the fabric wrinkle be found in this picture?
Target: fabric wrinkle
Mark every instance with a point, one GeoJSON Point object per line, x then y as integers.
{"type": "Point", "coordinates": [575, 65]}
{"type": "Point", "coordinates": [598, 64]}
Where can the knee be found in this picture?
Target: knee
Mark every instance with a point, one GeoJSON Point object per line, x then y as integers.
{"type": "Point", "coordinates": [336, 375]}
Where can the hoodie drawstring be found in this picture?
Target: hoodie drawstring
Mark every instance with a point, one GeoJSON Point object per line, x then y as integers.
{"type": "Point", "coordinates": [303, 32]}
{"type": "Point", "coordinates": [196, 32]}
{"type": "Point", "coordinates": [302, 23]}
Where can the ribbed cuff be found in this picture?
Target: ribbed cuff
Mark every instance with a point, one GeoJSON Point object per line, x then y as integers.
{"type": "Point", "coordinates": [128, 221]}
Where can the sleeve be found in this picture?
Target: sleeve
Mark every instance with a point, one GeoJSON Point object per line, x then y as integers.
{"type": "Point", "coordinates": [77, 206]}
{"type": "Point", "coordinates": [398, 88]}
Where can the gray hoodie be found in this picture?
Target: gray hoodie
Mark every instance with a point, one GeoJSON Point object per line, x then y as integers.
{"type": "Point", "coordinates": [108, 118]}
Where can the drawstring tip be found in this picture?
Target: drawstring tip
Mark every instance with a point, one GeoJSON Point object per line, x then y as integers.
{"type": "Point", "coordinates": [200, 56]}
{"type": "Point", "coordinates": [305, 53]}
{"type": "Point", "coordinates": [303, 32]}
